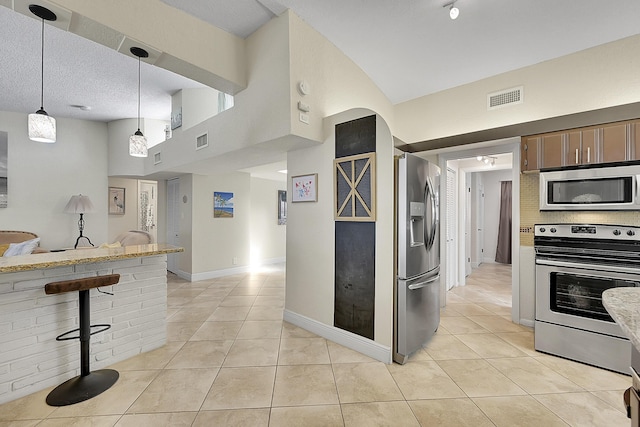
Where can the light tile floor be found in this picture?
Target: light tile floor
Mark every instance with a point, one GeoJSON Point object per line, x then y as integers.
{"type": "Point", "coordinates": [232, 361]}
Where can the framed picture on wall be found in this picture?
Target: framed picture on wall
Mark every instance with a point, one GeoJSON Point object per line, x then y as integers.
{"type": "Point", "coordinates": [222, 204]}
{"type": "Point", "coordinates": [304, 188]}
{"type": "Point", "coordinates": [116, 201]}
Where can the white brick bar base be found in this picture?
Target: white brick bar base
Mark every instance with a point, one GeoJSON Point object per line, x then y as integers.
{"type": "Point", "coordinates": [30, 357]}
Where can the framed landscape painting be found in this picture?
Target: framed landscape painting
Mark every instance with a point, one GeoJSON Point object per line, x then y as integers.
{"type": "Point", "coordinates": [222, 204]}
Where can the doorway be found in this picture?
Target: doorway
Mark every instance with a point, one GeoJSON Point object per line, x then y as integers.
{"type": "Point", "coordinates": [472, 193]}
{"type": "Point", "coordinates": [148, 208]}
{"type": "Point", "coordinates": [173, 221]}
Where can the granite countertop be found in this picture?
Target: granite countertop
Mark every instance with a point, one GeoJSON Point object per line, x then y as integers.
{"type": "Point", "coordinates": [623, 304]}
{"type": "Point", "coordinates": [82, 256]}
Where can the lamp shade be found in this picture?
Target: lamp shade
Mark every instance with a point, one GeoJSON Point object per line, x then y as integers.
{"type": "Point", "coordinates": [42, 127]}
{"type": "Point", "coordinates": [138, 145]}
{"type": "Point", "coordinates": [79, 204]}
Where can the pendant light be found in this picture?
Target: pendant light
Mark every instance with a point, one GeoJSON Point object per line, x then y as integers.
{"type": "Point", "coordinates": [137, 141]}
{"type": "Point", "coordinates": [42, 127]}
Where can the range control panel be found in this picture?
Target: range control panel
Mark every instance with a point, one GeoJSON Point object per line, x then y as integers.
{"type": "Point", "coordinates": [589, 231]}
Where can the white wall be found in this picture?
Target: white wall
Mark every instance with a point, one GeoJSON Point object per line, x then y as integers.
{"type": "Point", "coordinates": [311, 232]}
{"type": "Point", "coordinates": [491, 181]}
{"type": "Point", "coordinates": [268, 239]}
{"type": "Point", "coordinates": [43, 177]}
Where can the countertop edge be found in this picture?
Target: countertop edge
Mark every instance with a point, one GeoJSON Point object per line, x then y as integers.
{"type": "Point", "coordinates": [82, 256]}
{"type": "Point", "coordinates": [623, 304]}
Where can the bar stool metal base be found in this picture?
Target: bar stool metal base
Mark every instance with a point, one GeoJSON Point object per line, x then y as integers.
{"type": "Point", "coordinates": [81, 388]}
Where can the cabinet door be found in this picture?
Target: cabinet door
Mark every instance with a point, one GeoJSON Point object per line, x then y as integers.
{"type": "Point", "coordinates": [574, 149]}
{"type": "Point", "coordinates": [614, 143]}
{"type": "Point", "coordinates": [635, 133]}
{"type": "Point", "coordinates": [588, 153]}
{"type": "Point", "coordinates": [552, 150]}
{"type": "Point", "coordinates": [529, 154]}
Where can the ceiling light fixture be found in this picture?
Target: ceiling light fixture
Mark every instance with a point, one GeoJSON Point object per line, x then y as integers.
{"type": "Point", "coordinates": [453, 10]}
{"type": "Point", "coordinates": [137, 141]}
{"type": "Point", "coordinates": [487, 160]}
{"type": "Point", "coordinates": [42, 127]}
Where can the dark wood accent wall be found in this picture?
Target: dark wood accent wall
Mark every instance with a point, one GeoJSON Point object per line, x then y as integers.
{"type": "Point", "coordinates": [355, 243]}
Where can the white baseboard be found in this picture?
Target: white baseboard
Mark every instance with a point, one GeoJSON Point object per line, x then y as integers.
{"type": "Point", "coordinates": [195, 277]}
{"type": "Point", "coordinates": [270, 261]}
{"type": "Point", "coordinates": [340, 336]}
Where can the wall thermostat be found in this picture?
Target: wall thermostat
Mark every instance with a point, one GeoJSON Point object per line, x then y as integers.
{"type": "Point", "coordinates": [303, 87]}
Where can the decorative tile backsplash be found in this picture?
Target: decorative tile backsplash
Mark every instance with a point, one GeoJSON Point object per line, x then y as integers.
{"type": "Point", "coordinates": [530, 213]}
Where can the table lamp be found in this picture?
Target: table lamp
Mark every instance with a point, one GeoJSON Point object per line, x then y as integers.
{"type": "Point", "coordinates": [80, 204]}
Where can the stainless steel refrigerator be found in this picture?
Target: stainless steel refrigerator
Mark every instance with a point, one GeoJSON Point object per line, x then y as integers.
{"type": "Point", "coordinates": [417, 289]}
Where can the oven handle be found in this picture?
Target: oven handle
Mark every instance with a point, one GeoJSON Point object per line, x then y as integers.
{"type": "Point", "coordinates": [596, 267]}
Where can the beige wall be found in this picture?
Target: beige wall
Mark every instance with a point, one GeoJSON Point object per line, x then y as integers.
{"type": "Point", "coordinates": [190, 46]}
{"type": "Point", "coordinates": [337, 83]}
{"type": "Point", "coordinates": [128, 221]}
{"type": "Point", "coordinates": [599, 77]}
{"type": "Point", "coordinates": [216, 241]}
{"type": "Point", "coordinates": [267, 238]}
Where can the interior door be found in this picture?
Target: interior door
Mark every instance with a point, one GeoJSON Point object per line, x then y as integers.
{"type": "Point", "coordinates": [452, 223]}
{"type": "Point", "coordinates": [480, 223]}
{"type": "Point", "coordinates": [148, 208]}
{"type": "Point", "coordinates": [467, 225]}
{"type": "Point", "coordinates": [173, 221]}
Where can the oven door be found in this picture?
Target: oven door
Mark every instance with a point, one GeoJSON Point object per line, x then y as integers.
{"type": "Point", "coordinates": [570, 294]}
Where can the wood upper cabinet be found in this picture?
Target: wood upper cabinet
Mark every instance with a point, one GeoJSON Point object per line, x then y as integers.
{"type": "Point", "coordinates": [615, 142]}
{"type": "Point", "coordinates": [541, 151]}
{"type": "Point", "coordinates": [529, 154]}
{"type": "Point", "coordinates": [635, 134]}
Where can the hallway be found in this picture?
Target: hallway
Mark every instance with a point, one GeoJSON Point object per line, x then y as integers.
{"type": "Point", "coordinates": [230, 360]}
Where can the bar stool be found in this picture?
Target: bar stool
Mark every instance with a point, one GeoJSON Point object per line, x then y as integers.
{"type": "Point", "coordinates": [88, 384]}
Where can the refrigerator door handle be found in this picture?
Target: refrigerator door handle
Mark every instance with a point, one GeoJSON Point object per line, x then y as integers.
{"type": "Point", "coordinates": [423, 284]}
{"type": "Point", "coordinates": [429, 194]}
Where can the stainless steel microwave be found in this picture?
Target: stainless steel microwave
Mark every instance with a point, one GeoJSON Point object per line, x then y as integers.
{"type": "Point", "coordinates": [589, 189]}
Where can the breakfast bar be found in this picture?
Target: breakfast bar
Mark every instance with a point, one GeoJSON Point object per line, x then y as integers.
{"type": "Point", "coordinates": [30, 320]}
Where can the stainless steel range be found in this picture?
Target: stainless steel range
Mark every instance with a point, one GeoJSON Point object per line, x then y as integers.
{"type": "Point", "coordinates": [575, 263]}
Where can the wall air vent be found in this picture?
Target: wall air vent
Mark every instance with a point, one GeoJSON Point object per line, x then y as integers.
{"type": "Point", "coordinates": [157, 158]}
{"type": "Point", "coordinates": [202, 141]}
{"type": "Point", "coordinates": [505, 98]}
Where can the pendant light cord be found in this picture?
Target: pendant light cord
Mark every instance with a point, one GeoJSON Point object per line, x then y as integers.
{"type": "Point", "coordinates": [42, 69]}
{"type": "Point", "coordinates": [138, 93]}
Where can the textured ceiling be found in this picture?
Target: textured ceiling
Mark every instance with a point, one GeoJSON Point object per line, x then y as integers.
{"type": "Point", "coordinates": [408, 47]}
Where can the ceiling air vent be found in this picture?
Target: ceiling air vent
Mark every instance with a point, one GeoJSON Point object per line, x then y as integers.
{"type": "Point", "coordinates": [202, 141]}
{"type": "Point", "coordinates": [505, 98]}
{"type": "Point", "coordinates": [157, 158]}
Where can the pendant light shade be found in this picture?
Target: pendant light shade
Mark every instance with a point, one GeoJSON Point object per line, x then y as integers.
{"type": "Point", "coordinates": [42, 127]}
{"type": "Point", "coordinates": [137, 141]}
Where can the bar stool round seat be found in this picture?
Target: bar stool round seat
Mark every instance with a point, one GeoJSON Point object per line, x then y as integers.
{"type": "Point", "coordinates": [88, 384]}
